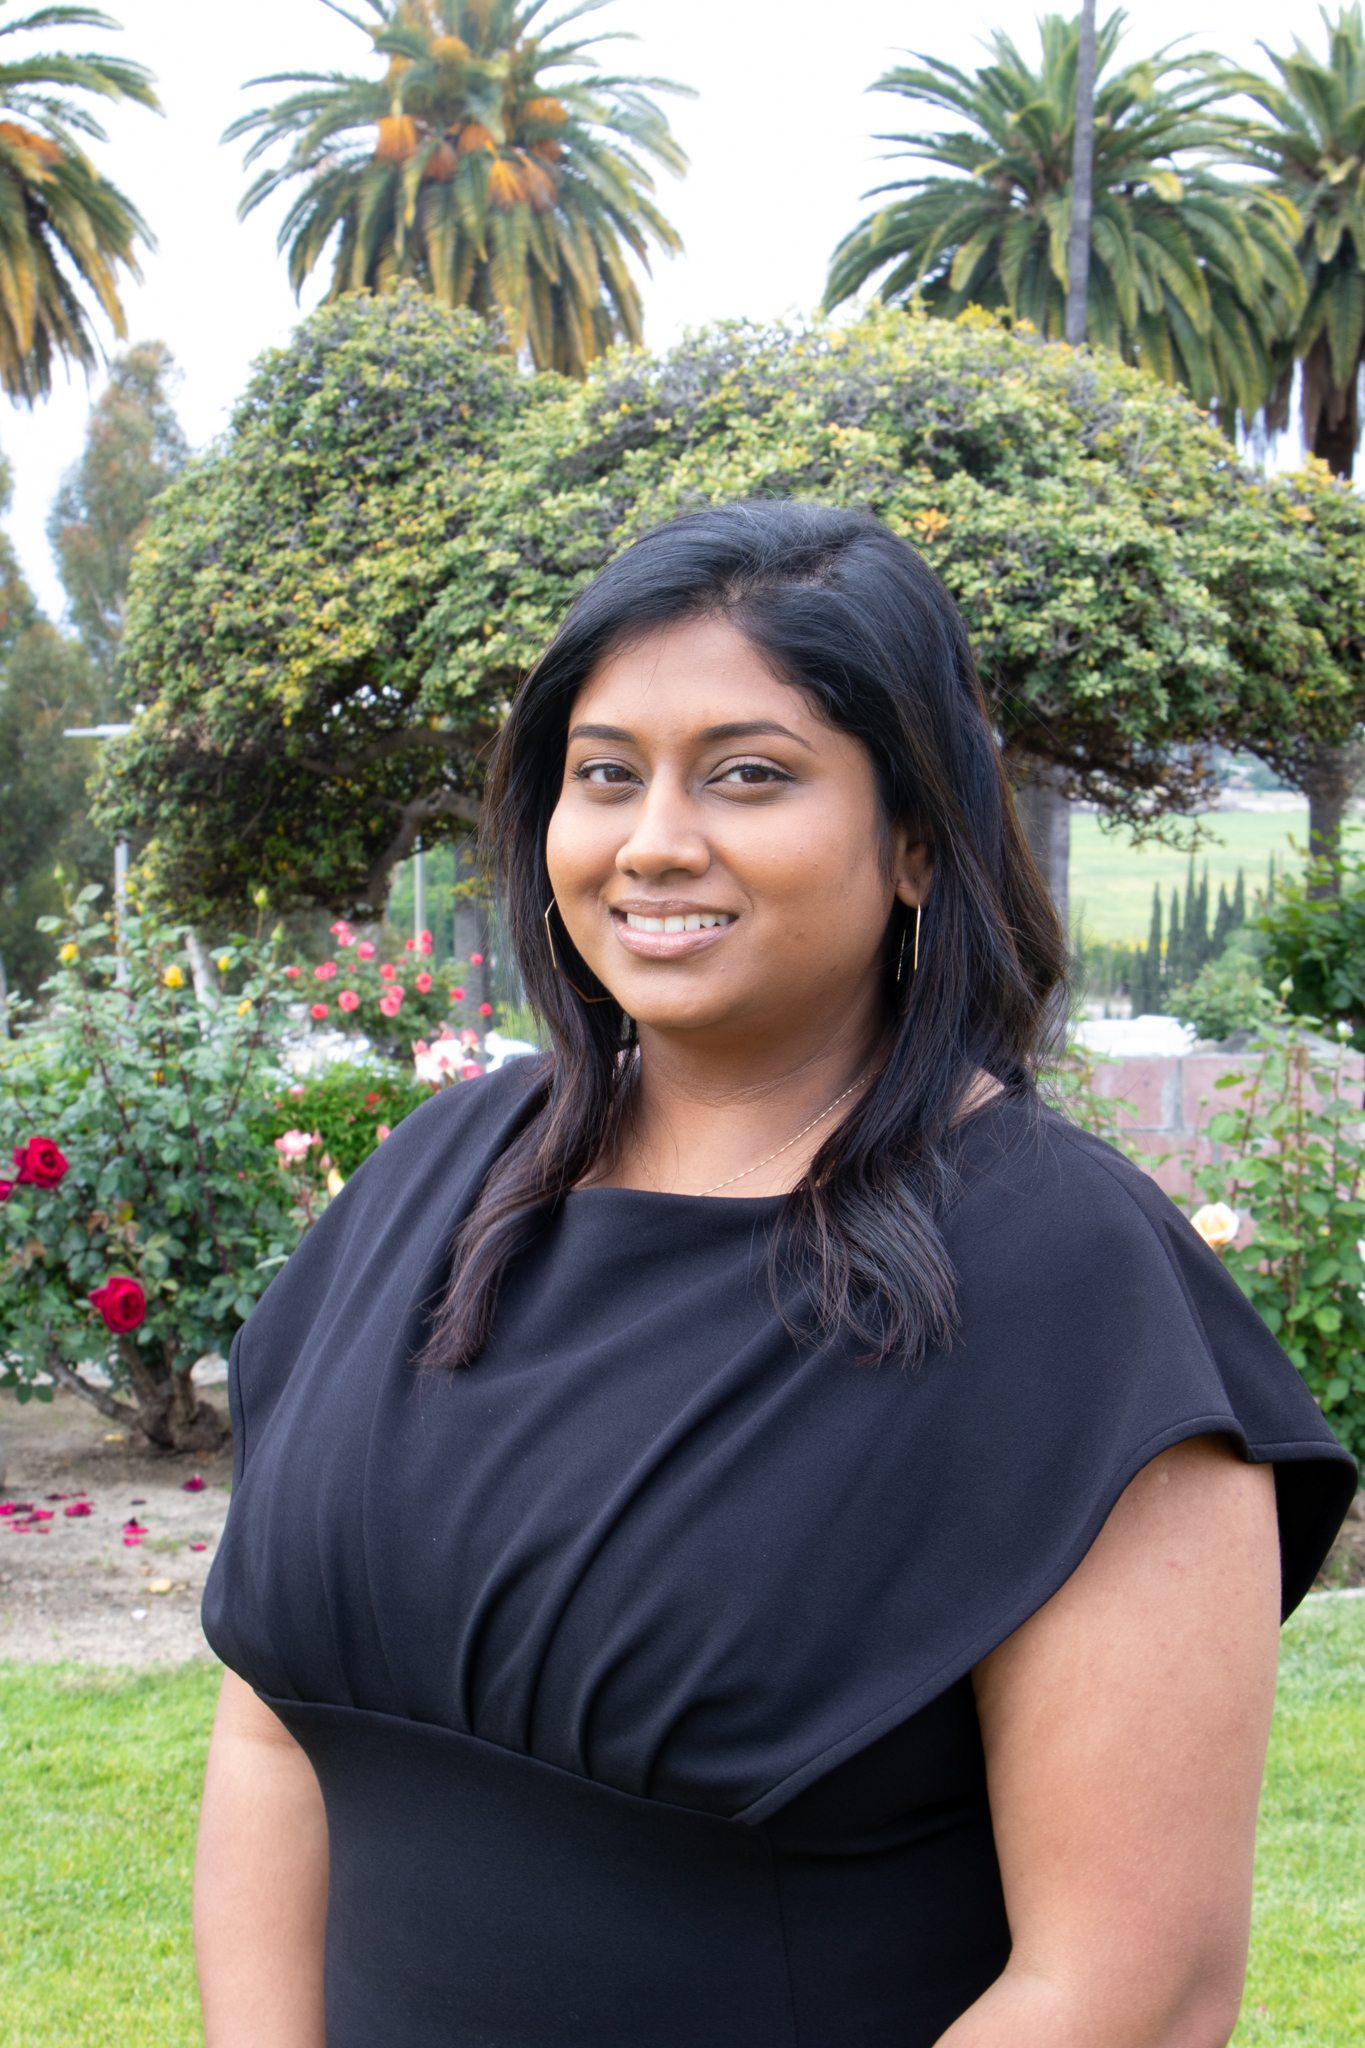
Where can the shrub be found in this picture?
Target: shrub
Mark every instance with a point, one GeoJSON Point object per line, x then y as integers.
{"type": "Point", "coordinates": [1316, 933]}
{"type": "Point", "coordinates": [148, 1208]}
{"type": "Point", "coordinates": [1226, 995]}
{"type": "Point", "coordinates": [1294, 1159]}
{"type": "Point", "coordinates": [348, 1105]}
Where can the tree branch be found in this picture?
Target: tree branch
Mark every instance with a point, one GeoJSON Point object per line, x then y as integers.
{"type": "Point", "coordinates": [117, 1411]}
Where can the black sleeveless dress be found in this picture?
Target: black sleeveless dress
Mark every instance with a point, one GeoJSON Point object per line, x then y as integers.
{"type": "Point", "coordinates": [634, 1662]}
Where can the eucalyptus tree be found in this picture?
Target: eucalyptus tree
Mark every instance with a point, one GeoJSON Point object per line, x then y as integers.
{"type": "Point", "coordinates": [1192, 276]}
{"type": "Point", "coordinates": [63, 224]}
{"type": "Point", "coordinates": [487, 162]}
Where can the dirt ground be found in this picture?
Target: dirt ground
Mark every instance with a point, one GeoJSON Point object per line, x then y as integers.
{"type": "Point", "coordinates": [70, 1588]}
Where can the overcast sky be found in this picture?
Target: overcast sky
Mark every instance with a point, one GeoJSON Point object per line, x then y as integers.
{"type": "Point", "coordinates": [780, 142]}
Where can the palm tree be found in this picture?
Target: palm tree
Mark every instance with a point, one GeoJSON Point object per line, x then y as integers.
{"type": "Point", "coordinates": [461, 168]}
{"type": "Point", "coordinates": [1312, 149]}
{"type": "Point", "coordinates": [1191, 276]}
{"type": "Point", "coordinates": [61, 223]}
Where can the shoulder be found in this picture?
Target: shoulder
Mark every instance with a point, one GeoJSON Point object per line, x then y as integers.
{"type": "Point", "coordinates": [399, 1210]}
{"type": "Point", "coordinates": [1031, 1178]}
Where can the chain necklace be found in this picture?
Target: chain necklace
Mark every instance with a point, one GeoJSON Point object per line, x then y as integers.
{"type": "Point", "coordinates": [826, 1111]}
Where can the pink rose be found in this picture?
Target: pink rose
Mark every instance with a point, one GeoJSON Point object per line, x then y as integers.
{"type": "Point", "coordinates": [485, 1009]}
{"type": "Point", "coordinates": [381, 1132]}
{"type": "Point", "coordinates": [424, 983]}
{"type": "Point", "coordinates": [327, 971]}
{"type": "Point", "coordinates": [348, 999]}
{"type": "Point", "coordinates": [391, 1002]}
{"type": "Point", "coordinates": [476, 959]}
{"type": "Point", "coordinates": [342, 932]}
{"type": "Point", "coordinates": [364, 951]}
{"type": "Point", "coordinates": [294, 1144]}
{"type": "Point", "coordinates": [409, 945]}
{"type": "Point", "coordinates": [121, 1303]}
{"type": "Point", "coordinates": [387, 971]}
{"type": "Point", "coordinates": [468, 1037]}
{"type": "Point", "coordinates": [424, 942]}
{"type": "Point", "coordinates": [291, 973]}
{"type": "Point", "coordinates": [40, 1164]}
{"type": "Point", "coordinates": [470, 1071]}
{"type": "Point", "coordinates": [318, 1011]}
{"type": "Point", "coordinates": [457, 995]}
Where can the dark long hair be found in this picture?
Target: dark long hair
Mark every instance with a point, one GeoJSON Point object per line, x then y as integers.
{"type": "Point", "coordinates": [852, 617]}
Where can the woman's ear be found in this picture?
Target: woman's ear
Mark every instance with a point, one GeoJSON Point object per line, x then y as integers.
{"type": "Point", "coordinates": [912, 863]}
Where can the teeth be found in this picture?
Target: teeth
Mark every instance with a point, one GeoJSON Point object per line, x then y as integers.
{"type": "Point", "coordinates": [694, 921]}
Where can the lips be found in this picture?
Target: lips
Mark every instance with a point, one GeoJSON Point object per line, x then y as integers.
{"type": "Point", "coordinates": [671, 932]}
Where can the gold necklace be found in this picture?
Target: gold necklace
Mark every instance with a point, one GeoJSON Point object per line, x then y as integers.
{"type": "Point", "coordinates": [826, 1111]}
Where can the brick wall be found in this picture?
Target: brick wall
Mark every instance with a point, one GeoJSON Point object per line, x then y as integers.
{"type": "Point", "coordinates": [1168, 1109]}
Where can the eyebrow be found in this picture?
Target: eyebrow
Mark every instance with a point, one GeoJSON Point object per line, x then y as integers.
{"type": "Point", "coordinates": [740, 729]}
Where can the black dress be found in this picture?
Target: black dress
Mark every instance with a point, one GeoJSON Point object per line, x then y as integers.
{"type": "Point", "coordinates": [634, 1662]}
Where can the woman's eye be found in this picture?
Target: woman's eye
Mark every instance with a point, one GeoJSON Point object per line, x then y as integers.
{"type": "Point", "coordinates": [604, 774]}
{"type": "Point", "coordinates": [752, 774]}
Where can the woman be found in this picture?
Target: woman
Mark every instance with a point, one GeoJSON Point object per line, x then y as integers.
{"type": "Point", "coordinates": [748, 1530]}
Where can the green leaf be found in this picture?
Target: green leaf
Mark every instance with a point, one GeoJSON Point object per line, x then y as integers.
{"type": "Point", "coordinates": [1328, 1320]}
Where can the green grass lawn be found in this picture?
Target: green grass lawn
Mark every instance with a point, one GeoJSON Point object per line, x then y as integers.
{"type": "Point", "coordinates": [99, 1787]}
{"type": "Point", "coordinates": [1111, 879]}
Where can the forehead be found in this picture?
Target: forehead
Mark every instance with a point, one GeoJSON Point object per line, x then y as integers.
{"type": "Point", "coordinates": [680, 678]}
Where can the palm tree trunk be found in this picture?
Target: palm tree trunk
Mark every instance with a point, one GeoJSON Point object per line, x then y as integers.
{"type": "Point", "coordinates": [1328, 780]}
{"type": "Point", "coordinates": [1082, 182]}
{"type": "Point", "coordinates": [1045, 816]}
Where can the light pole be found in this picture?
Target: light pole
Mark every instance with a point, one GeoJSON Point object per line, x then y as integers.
{"type": "Point", "coordinates": [110, 732]}
{"type": "Point", "coordinates": [419, 893]}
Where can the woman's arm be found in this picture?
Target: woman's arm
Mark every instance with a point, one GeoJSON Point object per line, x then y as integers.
{"type": "Point", "coordinates": [260, 1883]}
{"type": "Point", "coordinates": [1125, 1727]}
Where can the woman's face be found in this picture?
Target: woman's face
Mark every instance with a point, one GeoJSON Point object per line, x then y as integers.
{"type": "Point", "coordinates": [717, 851]}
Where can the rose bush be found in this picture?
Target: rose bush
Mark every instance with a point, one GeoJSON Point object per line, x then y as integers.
{"type": "Point", "coordinates": [1291, 1159]}
{"type": "Point", "coordinates": [149, 1209]}
{"type": "Point", "coordinates": [359, 994]}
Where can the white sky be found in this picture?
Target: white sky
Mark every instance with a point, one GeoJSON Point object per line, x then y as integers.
{"type": "Point", "coordinates": [779, 141]}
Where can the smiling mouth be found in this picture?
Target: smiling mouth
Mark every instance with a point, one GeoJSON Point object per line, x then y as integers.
{"type": "Point", "coordinates": [693, 921]}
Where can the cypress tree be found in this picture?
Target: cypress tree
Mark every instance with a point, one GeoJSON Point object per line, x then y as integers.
{"type": "Point", "coordinates": [1222, 921]}
{"type": "Point", "coordinates": [1239, 902]}
{"type": "Point", "coordinates": [1202, 951]}
{"type": "Point", "coordinates": [1147, 979]}
{"type": "Point", "coordinates": [1175, 945]}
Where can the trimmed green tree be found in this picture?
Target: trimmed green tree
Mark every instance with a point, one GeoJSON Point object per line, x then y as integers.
{"type": "Point", "coordinates": [1134, 595]}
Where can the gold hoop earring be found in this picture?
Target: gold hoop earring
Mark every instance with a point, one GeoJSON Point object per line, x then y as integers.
{"type": "Point", "coordinates": [550, 939]}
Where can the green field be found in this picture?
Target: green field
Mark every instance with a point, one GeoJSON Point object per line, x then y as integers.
{"type": "Point", "coordinates": [99, 1788]}
{"type": "Point", "coordinates": [1111, 879]}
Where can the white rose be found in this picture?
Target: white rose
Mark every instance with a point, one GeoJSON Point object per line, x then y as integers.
{"type": "Point", "coordinates": [1217, 1224]}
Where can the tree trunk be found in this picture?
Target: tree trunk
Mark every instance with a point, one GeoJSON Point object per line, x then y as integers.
{"type": "Point", "coordinates": [1082, 183]}
{"type": "Point", "coordinates": [167, 1407]}
{"type": "Point", "coordinates": [1045, 816]}
{"type": "Point", "coordinates": [1328, 780]}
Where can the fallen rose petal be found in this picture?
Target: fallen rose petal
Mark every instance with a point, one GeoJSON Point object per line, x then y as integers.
{"type": "Point", "coordinates": [82, 1507]}
{"type": "Point", "coordinates": [194, 1484]}
{"type": "Point", "coordinates": [56, 1496]}
{"type": "Point", "coordinates": [199, 1546]}
{"type": "Point", "coordinates": [43, 1514]}
{"type": "Point", "coordinates": [131, 1542]}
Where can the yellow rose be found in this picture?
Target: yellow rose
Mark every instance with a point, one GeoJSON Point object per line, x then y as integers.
{"type": "Point", "coordinates": [224, 963]}
{"type": "Point", "coordinates": [243, 1006]}
{"type": "Point", "coordinates": [68, 954]}
{"type": "Point", "coordinates": [1217, 1224]}
{"type": "Point", "coordinates": [335, 1183]}
{"type": "Point", "coordinates": [173, 978]}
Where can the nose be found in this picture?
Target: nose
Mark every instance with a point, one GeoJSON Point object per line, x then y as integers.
{"type": "Point", "coordinates": [665, 836]}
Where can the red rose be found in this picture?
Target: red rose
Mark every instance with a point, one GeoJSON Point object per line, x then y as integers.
{"type": "Point", "coordinates": [6, 1190]}
{"type": "Point", "coordinates": [121, 1303]}
{"type": "Point", "coordinates": [40, 1164]}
